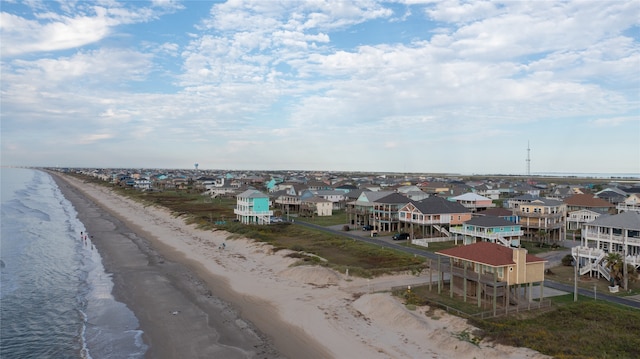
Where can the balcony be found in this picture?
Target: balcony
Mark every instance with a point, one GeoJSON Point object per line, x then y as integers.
{"type": "Point", "coordinates": [611, 238]}
{"type": "Point", "coordinates": [623, 207]}
{"type": "Point", "coordinates": [523, 214]}
{"type": "Point", "coordinates": [494, 235]}
{"type": "Point", "coordinates": [248, 212]}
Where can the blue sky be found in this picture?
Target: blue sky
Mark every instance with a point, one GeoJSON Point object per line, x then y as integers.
{"type": "Point", "coordinates": [394, 86]}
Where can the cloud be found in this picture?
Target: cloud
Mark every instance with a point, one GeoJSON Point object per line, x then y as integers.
{"type": "Point", "coordinates": [85, 24]}
{"type": "Point", "coordinates": [617, 121]}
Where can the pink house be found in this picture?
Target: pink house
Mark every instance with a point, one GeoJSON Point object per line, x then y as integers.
{"type": "Point", "coordinates": [474, 202]}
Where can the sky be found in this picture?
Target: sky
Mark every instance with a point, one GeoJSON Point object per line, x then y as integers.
{"type": "Point", "coordinates": [414, 86]}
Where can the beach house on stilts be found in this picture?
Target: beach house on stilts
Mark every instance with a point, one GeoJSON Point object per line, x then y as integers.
{"type": "Point", "coordinates": [492, 275]}
{"type": "Point", "coordinates": [619, 233]}
{"type": "Point", "coordinates": [252, 207]}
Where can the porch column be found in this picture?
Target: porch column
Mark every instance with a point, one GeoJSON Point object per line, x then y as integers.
{"type": "Point", "coordinates": [464, 283]}
{"type": "Point", "coordinates": [506, 299]}
{"type": "Point", "coordinates": [495, 291]}
{"type": "Point", "coordinates": [479, 291]}
{"type": "Point", "coordinates": [439, 277]}
{"type": "Point", "coordinates": [541, 294]}
{"type": "Point", "coordinates": [451, 278]}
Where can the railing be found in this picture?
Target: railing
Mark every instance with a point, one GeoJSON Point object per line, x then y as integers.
{"type": "Point", "coordinates": [621, 207]}
{"type": "Point", "coordinates": [424, 242]}
{"type": "Point", "coordinates": [252, 213]}
{"type": "Point", "coordinates": [612, 238]}
{"type": "Point", "coordinates": [538, 215]}
{"type": "Point", "coordinates": [485, 234]}
{"type": "Point", "coordinates": [425, 222]}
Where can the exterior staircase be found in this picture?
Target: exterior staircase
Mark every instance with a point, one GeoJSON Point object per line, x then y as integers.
{"type": "Point", "coordinates": [442, 230]}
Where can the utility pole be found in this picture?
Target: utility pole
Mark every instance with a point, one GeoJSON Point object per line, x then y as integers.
{"type": "Point", "coordinates": [575, 276]}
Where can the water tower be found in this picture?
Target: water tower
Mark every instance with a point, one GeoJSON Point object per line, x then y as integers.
{"type": "Point", "coordinates": [196, 166]}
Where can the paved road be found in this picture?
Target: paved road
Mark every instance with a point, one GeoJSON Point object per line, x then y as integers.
{"type": "Point", "coordinates": [388, 243]}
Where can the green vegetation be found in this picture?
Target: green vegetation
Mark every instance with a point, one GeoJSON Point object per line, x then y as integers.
{"type": "Point", "coordinates": [568, 330]}
{"type": "Point", "coordinates": [594, 329]}
{"type": "Point", "coordinates": [341, 253]}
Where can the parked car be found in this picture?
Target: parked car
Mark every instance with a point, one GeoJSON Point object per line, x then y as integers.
{"type": "Point", "coordinates": [400, 236]}
{"type": "Point", "coordinates": [368, 227]}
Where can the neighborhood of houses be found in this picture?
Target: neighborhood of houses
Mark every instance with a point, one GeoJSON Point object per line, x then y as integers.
{"type": "Point", "coordinates": [488, 217]}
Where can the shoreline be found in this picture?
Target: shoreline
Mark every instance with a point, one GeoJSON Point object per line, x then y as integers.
{"type": "Point", "coordinates": [299, 311]}
{"type": "Point", "coordinates": [162, 286]}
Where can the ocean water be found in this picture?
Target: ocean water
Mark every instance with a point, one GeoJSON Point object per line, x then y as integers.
{"type": "Point", "coordinates": [55, 296]}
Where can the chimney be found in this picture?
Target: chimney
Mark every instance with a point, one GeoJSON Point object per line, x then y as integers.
{"type": "Point", "coordinates": [520, 261]}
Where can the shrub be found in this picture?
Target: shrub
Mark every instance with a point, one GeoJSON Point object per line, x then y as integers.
{"type": "Point", "coordinates": [567, 260]}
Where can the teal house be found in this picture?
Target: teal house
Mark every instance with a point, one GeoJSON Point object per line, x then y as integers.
{"type": "Point", "coordinates": [252, 207]}
{"type": "Point", "coordinates": [489, 229]}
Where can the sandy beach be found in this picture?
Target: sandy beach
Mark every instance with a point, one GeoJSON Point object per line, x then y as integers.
{"type": "Point", "coordinates": [195, 299]}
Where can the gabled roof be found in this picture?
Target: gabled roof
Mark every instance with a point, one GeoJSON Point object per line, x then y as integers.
{"type": "Point", "coordinates": [488, 253]}
{"type": "Point", "coordinates": [546, 202]}
{"type": "Point", "coordinates": [372, 196]}
{"type": "Point", "coordinates": [252, 193]}
{"type": "Point", "coordinates": [489, 221]}
{"type": "Point", "coordinates": [497, 212]}
{"type": "Point", "coordinates": [624, 220]}
{"type": "Point", "coordinates": [470, 197]}
{"type": "Point", "coordinates": [587, 200]}
{"type": "Point", "coordinates": [438, 205]}
{"type": "Point", "coordinates": [393, 198]}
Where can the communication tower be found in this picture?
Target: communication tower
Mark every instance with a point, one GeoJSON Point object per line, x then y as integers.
{"type": "Point", "coordinates": [528, 160]}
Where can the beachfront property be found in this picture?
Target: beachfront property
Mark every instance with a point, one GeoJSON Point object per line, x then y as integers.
{"type": "Point", "coordinates": [252, 207]}
{"type": "Point", "coordinates": [432, 217]}
{"type": "Point", "coordinates": [489, 229]}
{"type": "Point", "coordinates": [541, 219]}
{"type": "Point", "coordinates": [619, 233]}
{"type": "Point", "coordinates": [491, 275]}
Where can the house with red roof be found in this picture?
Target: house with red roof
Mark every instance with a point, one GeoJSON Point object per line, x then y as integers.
{"type": "Point", "coordinates": [491, 274]}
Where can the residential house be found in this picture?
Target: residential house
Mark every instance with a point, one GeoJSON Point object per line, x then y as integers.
{"type": "Point", "coordinates": [632, 203]}
{"type": "Point", "coordinates": [618, 233]}
{"type": "Point", "coordinates": [252, 207]}
{"type": "Point", "coordinates": [142, 184]}
{"type": "Point", "coordinates": [488, 191]}
{"type": "Point", "coordinates": [422, 218]}
{"type": "Point", "coordinates": [500, 212]}
{"type": "Point", "coordinates": [584, 208]}
{"type": "Point", "coordinates": [576, 219]}
{"type": "Point", "coordinates": [613, 195]}
{"type": "Point", "coordinates": [360, 211]}
{"type": "Point", "coordinates": [542, 219]}
{"type": "Point", "coordinates": [491, 274]}
{"type": "Point", "coordinates": [336, 197]}
{"type": "Point", "coordinates": [287, 200]}
{"type": "Point", "coordinates": [474, 202]}
{"type": "Point", "coordinates": [489, 229]}
{"type": "Point", "coordinates": [385, 212]}
{"type": "Point", "coordinates": [590, 202]}
{"type": "Point", "coordinates": [315, 206]}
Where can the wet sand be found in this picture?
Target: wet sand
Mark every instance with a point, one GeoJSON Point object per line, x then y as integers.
{"type": "Point", "coordinates": [180, 313]}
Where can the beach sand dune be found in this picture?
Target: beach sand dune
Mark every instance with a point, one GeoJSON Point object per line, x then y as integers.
{"type": "Point", "coordinates": [275, 309]}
